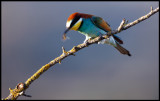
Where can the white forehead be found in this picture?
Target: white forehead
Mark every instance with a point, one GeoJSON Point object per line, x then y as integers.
{"type": "Point", "coordinates": [68, 23]}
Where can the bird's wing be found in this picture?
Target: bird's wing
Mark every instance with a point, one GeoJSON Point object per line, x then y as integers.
{"type": "Point", "coordinates": [99, 22]}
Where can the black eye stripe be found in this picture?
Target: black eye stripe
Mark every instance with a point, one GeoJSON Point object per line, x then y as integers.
{"type": "Point", "coordinates": [74, 21]}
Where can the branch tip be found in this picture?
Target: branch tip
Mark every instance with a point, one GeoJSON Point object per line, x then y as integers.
{"type": "Point", "coordinates": [124, 19]}
{"type": "Point", "coordinates": [64, 52]}
{"type": "Point", "coordinates": [151, 9]}
{"type": "Point", "coordinates": [63, 49]}
{"type": "Point", "coordinates": [59, 61]}
{"type": "Point", "coordinates": [121, 25]}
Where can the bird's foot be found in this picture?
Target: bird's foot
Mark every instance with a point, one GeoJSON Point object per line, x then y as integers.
{"type": "Point", "coordinates": [86, 41]}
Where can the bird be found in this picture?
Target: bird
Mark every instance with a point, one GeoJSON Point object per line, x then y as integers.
{"type": "Point", "coordinates": [93, 26]}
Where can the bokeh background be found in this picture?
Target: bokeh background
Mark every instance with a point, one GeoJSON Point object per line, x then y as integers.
{"type": "Point", "coordinates": [31, 37]}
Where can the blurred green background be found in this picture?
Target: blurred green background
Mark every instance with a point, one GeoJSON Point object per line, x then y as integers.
{"type": "Point", "coordinates": [31, 37]}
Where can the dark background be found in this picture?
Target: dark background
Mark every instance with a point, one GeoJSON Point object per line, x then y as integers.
{"type": "Point", "coordinates": [31, 37]}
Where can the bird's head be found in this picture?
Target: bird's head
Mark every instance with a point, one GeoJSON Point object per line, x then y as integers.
{"type": "Point", "coordinates": [73, 23]}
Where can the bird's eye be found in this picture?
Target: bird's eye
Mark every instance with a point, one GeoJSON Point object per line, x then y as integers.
{"type": "Point", "coordinates": [75, 20]}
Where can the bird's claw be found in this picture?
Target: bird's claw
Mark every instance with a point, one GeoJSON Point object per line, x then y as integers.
{"type": "Point", "coordinates": [86, 42]}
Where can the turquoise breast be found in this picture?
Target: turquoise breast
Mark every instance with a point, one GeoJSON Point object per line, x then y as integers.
{"type": "Point", "coordinates": [89, 29]}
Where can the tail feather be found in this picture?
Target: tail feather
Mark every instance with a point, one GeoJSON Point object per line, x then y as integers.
{"type": "Point", "coordinates": [118, 39]}
{"type": "Point", "coordinates": [122, 50]}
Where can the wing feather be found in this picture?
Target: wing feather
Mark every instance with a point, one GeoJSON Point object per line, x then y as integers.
{"type": "Point", "coordinates": [99, 22]}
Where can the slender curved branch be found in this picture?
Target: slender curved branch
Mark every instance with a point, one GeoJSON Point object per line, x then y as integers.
{"type": "Point", "coordinates": [21, 87]}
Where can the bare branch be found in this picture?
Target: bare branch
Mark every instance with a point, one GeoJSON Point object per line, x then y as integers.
{"type": "Point", "coordinates": [21, 87]}
{"type": "Point", "coordinates": [142, 18]}
{"type": "Point", "coordinates": [121, 25]}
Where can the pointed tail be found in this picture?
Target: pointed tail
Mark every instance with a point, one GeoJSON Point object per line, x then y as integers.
{"type": "Point", "coordinates": [116, 41]}
{"type": "Point", "coordinates": [122, 50]}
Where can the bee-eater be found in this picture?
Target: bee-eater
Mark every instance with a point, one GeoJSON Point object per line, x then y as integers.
{"type": "Point", "coordinates": [92, 26]}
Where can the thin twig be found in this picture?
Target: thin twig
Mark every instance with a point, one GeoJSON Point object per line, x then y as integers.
{"type": "Point", "coordinates": [121, 25]}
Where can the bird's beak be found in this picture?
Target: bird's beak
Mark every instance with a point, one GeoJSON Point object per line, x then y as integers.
{"type": "Point", "coordinates": [65, 32]}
